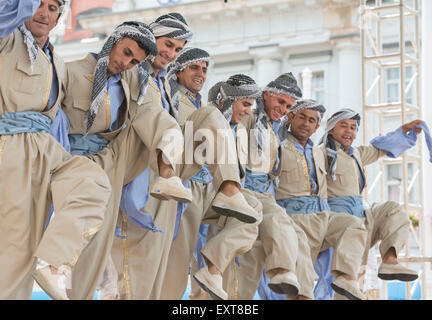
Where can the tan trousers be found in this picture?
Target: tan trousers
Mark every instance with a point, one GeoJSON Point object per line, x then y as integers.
{"type": "Point", "coordinates": [386, 222]}
{"type": "Point", "coordinates": [123, 159]}
{"type": "Point", "coordinates": [196, 292]}
{"type": "Point", "coordinates": [231, 239]}
{"type": "Point", "coordinates": [148, 252]}
{"type": "Point", "coordinates": [35, 171]}
{"type": "Point", "coordinates": [345, 233]}
{"type": "Point", "coordinates": [279, 245]}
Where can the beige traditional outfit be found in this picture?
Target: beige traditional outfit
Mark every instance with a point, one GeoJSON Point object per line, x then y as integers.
{"type": "Point", "coordinates": [36, 171]}
{"type": "Point", "coordinates": [131, 149]}
{"type": "Point", "coordinates": [142, 258]}
{"type": "Point", "coordinates": [302, 191]}
{"type": "Point", "coordinates": [346, 183]}
{"type": "Point", "coordinates": [234, 237]}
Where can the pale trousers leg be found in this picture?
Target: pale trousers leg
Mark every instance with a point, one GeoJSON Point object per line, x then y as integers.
{"type": "Point", "coordinates": [387, 222]}
{"type": "Point", "coordinates": [138, 258]}
{"type": "Point", "coordinates": [107, 289]}
{"type": "Point", "coordinates": [130, 153]}
{"type": "Point", "coordinates": [182, 248]}
{"type": "Point", "coordinates": [79, 190]}
{"type": "Point", "coordinates": [281, 244]}
{"type": "Point", "coordinates": [208, 121]}
{"type": "Point", "coordinates": [234, 238]}
{"type": "Point", "coordinates": [346, 234]}
{"type": "Point", "coordinates": [278, 236]}
{"type": "Point", "coordinates": [241, 281]}
{"type": "Point", "coordinates": [148, 271]}
{"type": "Point", "coordinates": [196, 292]}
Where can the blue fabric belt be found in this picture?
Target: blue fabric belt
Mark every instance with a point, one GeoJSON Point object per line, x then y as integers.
{"type": "Point", "coordinates": [85, 145]}
{"type": "Point", "coordinates": [24, 122]}
{"type": "Point", "coordinates": [202, 176]}
{"type": "Point", "coordinates": [256, 181]}
{"type": "Point", "coordinates": [304, 204]}
{"type": "Point", "coordinates": [351, 205]}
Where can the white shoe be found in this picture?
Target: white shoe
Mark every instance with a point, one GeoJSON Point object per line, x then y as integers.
{"type": "Point", "coordinates": [235, 206]}
{"type": "Point", "coordinates": [171, 188]}
{"type": "Point", "coordinates": [347, 288]}
{"type": "Point", "coordinates": [285, 283]}
{"type": "Point", "coordinates": [53, 284]}
{"type": "Point", "coordinates": [211, 283]}
{"type": "Point", "coordinates": [388, 271]}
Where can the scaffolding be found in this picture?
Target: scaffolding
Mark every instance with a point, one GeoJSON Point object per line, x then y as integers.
{"type": "Point", "coordinates": [391, 93]}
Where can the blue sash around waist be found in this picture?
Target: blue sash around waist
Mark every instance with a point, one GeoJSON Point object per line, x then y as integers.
{"type": "Point", "coordinates": [202, 176]}
{"type": "Point", "coordinates": [85, 145]}
{"type": "Point", "coordinates": [351, 205]}
{"type": "Point", "coordinates": [304, 204]}
{"type": "Point", "coordinates": [256, 181]}
{"type": "Point", "coordinates": [23, 122]}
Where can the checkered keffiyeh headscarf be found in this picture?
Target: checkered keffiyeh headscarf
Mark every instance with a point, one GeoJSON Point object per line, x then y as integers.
{"type": "Point", "coordinates": [185, 58]}
{"type": "Point", "coordinates": [308, 104]}
{"type": "Point", "coordinates": [136, 31]}
{"type": "Point", "coordinates": [238, 86]}
{"type": "Point", "coordinates": [172, 25]}
{"type": "Point", "coordinates": [342, 114]}
{"type": "Point", "coordinates": [284, 84]}
{"type": "Point", "coordinates": [30, 42]}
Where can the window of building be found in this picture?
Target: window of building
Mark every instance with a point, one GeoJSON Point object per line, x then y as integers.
{"type": "Point", "coordinates": [393, 93]}
{"type": "Point", "coordinates": [318, 86]}
{"type": "Point", "coordinates": [312, 84]}
{"type": "Point", "coordinates": [394, 183]}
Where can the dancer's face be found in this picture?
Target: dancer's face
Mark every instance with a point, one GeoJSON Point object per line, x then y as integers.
{"type": "Point", "coordinates": [193, 76]}
{"type": "Point", "coordinates": [277, 105]}
{"type": "Point", "coordinates": [345, 132]}
{"type": "Point", "coordinates": [124, 55]}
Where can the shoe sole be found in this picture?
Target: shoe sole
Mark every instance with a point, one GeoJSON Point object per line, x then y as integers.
{"type": "Point", "coordinates": [43, 283]}
{"type": "Point", "coordinates": [284, 288]}
{"type": "Point", "coordinates": [207, 289]}
{"type": "Point", "coordinates": [397, 276]}
{"type": "Point", "coordinates": [234, 214]}
{"type": "Point", "coordinates": [344, 292]}
{"type": "Point", "coordinates": [164, 196]}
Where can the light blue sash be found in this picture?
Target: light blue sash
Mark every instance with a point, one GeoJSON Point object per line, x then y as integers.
{"type": "Point", "coordinates": [85, 145]}
{"type": "Point", "coordinates": [24, 122]}
{"type": "Point", "coordinates": [351, 205]}
{"type": "Point", "coordinates": [304, 204]}
{"type": "Point", "coordinates": [256, 181]}
{"type": "Point", "coordinates": [202, 176]}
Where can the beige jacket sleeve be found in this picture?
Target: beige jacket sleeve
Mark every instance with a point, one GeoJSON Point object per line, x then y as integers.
{"type": "Point", "coordinates": [369, 154]}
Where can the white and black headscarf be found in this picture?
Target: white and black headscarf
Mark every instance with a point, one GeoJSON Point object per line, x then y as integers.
{"type": "Point", "coordinates": [137, 31]}
{"type": "Point", "coordinates": [172, 25]}
{"type": "Point", "coordinates": [238, 86]}
{"type": "Point", "coordinates": [342, 114]}
{"type": "Point", "coordinates": [185, 58]}
{"type": "Point", "coordinates": [285, 84]}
